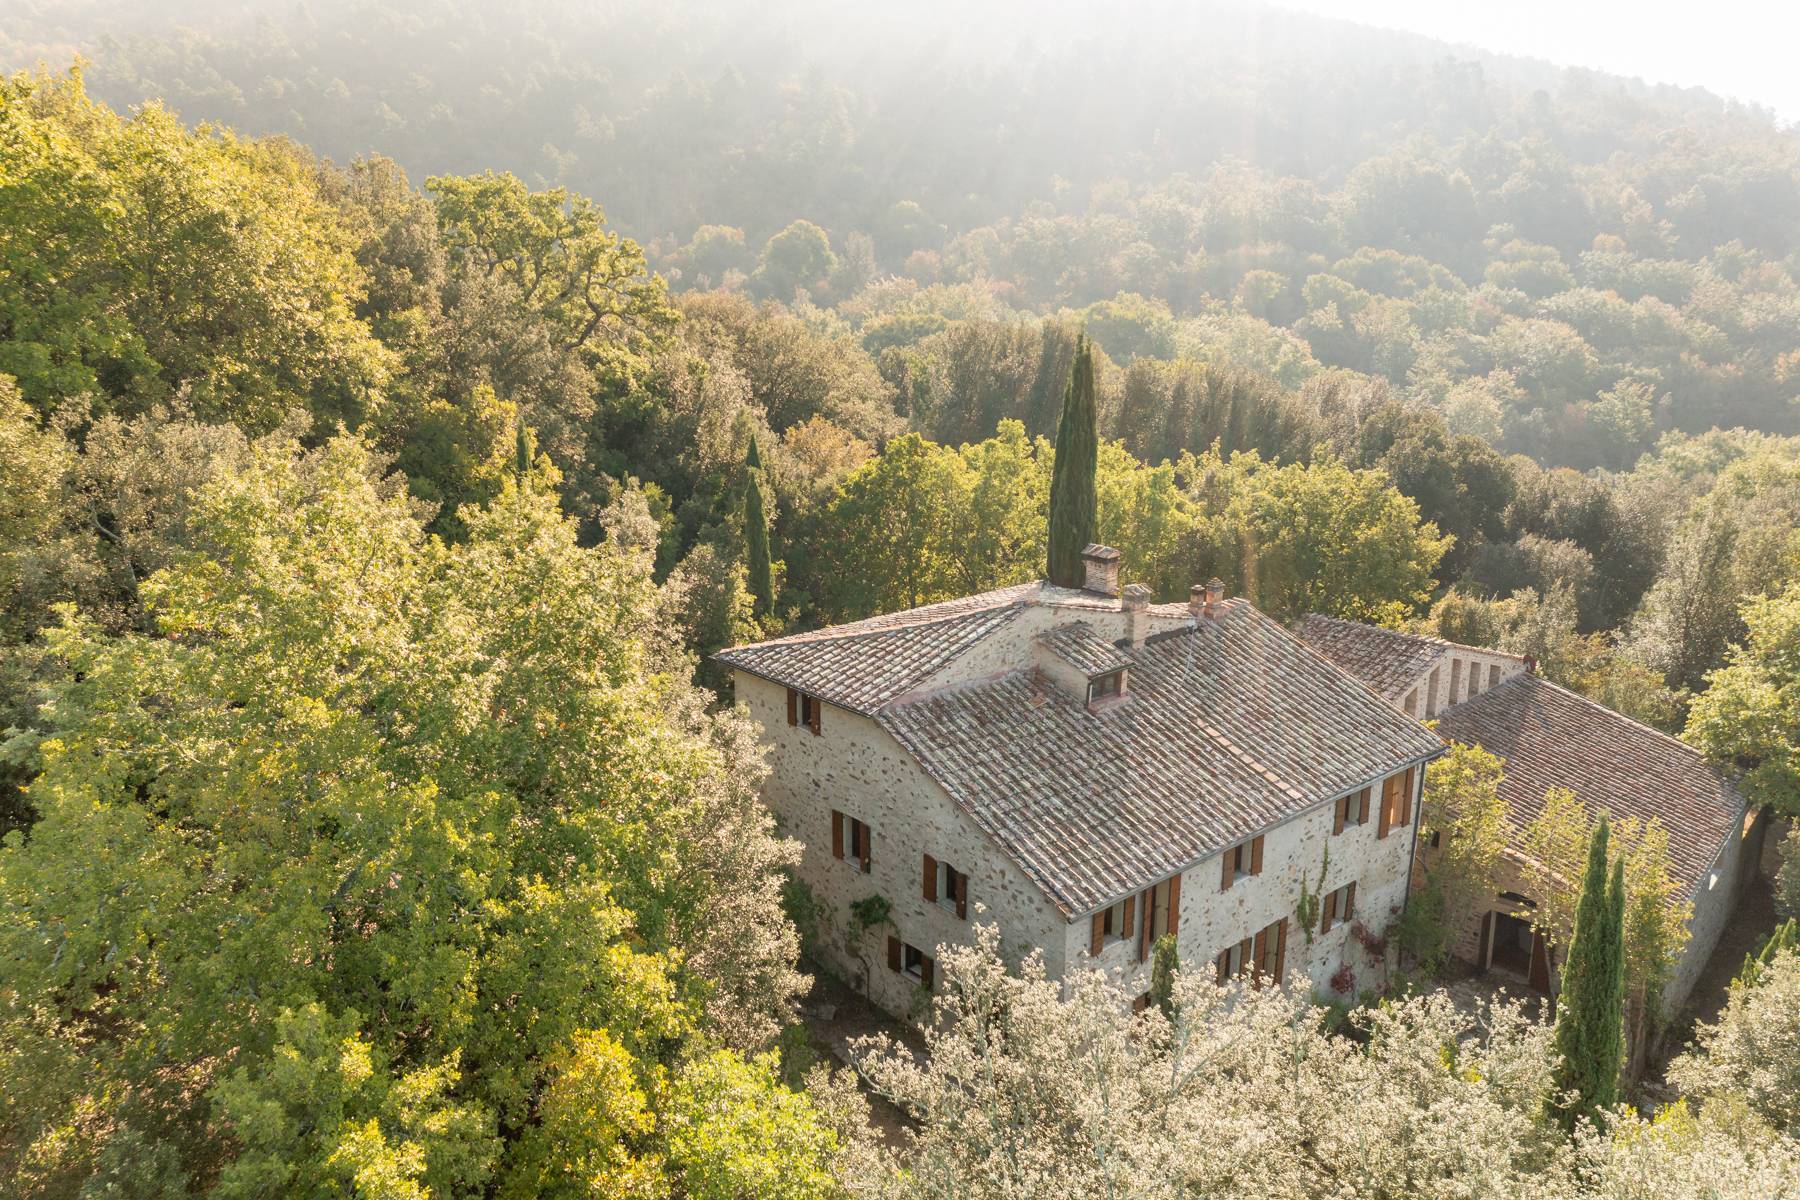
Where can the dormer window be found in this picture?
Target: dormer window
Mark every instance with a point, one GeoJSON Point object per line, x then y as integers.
{"type": "Point", "coordinates": [1106, 687]}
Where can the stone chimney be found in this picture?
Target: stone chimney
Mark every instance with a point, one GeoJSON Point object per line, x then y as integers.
{"type": "Point", "coordinates": [1136, 604]}
{"type": "Point", "coordinates": [1102, 566]}
{"type": "Point", "coordinates": [1204, 598]}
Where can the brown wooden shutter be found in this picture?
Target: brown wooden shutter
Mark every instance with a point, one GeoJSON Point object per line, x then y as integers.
{"type": "Point", "coordinates": [868, 847]}
{"type": "Point", "coordinates": [1406, 795]}
{"type": "Point", "coordinates": [837, 834]}
{"type": "Point", "coordinates": [1281, 950]}
{"type": "Point", "coordinates": [1223, 963]}
{"type": "Point", "coordinates": [931, 874]}
{"type": "Point", "coordinates": [1337, 815]}
{"type": "Point", "coordinates": [813, 717]}
{"type": "Point", "coordinates": [962, 896]}
{"type": "Point", "coordinates": [927, 970]}
{"type": "Point", "coordinates": [1174, 903]}
{"type": "Point", "coordinates": [1387, 809]}
{"type": "Point", "coordinates": [1097, 934]}
{"type": "Point", "coordinates": [1258, 946]}
{"type": "Point", "coordinates": [1362, 806]}
{"type": "Point", "coordinates": [1256, 855]}
{"type": "Point", "coordinates": [1350, 900]}
{"type": "Point", "coordinates": [793, 710]}
{"type": "Point", "coordinates": [1327, 912]}
{"type": "Point", "coordinates": [1144, 925]}
{"type": "Point", "coordinates": [1245, 960]}
{"type": "Point", "coordinates": [893, 953]}
{"type": "Point", "coordinates": [1129, 925]}
{"type": "Point", "coordinates": [1225, 871]}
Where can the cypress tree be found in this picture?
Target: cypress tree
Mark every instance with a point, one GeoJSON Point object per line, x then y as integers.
{"type": "Point", "coordinates": [1590, 1015]}
{"type": "Point", "coordinates": [1072, 502]}
{"type": "Point", "coordinates": [756, 546]}
{"type": "Point", "coordinates": [753, 456]}
{"type": "Point", "coordinates": [1165, 961]}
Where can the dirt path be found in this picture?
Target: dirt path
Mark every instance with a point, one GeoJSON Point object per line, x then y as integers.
{"type": "Point", "coordinates": [835, 1016]}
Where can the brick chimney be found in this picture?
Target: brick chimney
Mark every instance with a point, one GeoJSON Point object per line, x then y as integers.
{"type": "Point", "coordinates": [1136, 604]}
{"type": "Point", "coordinates": [1101, 564]}
{"type": "Point", "coordinates": [1204, 598]}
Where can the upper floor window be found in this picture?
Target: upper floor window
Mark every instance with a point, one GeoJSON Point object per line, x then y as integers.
{"type": "Point", "coordinates": [804, 709]}
{"type": "Point", "coordinates": [1396, 801]}
{"type": "Point", "coordinates": [1115, 924]}
{"type": "Point", "coordinates": [852, 841]}
{"type": "Point", "coordinates": [1351, 810]}
{"type": "Point", "coordinates": [946, 886]}
{"type": "Point", "coordinates": [1338, 905]}
{"type": "Point", "coordinates": [1106, 687]}
{"type": "Point", "coordinates": [1240, 862]}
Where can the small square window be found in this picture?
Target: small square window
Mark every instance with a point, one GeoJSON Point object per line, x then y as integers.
{"type": "Point", "coordinates": [1106, 687]}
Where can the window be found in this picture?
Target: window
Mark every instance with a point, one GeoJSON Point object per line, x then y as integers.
{"type": "Point", "coordinates": [1493, 676]}
{"type": "Point", "coordinates": [852, 841]}
{"type": "Point", "coordinates": [1158, 912]}
{"type": "Point", "coordinates": [1351, 810]}
{"type": "Point", "coordinates": [1115, 924]}
{"type": "Point", "coordinates": [904, 958]}
{"type": "Point", "coordinates": [1456, 665]}
{"type": "Point", "coordinates": [1262, 957]}
{"type": "Point", "coordinates": [804, 709]}
{"type": "Point", "coordinates": [1474, 680]}
{"type": "Point", "coordinates": [1240, 862]}
{"type": "Point", "coordinates": [1431, 692]}
{"type": "Point", "coordinates": [946, 887]}
{"type": "Point", "coordinates": [1396, 801]}
{"type": "Point", "coordinates": [1106, 687]}
{"type": "Point", "coordinates": [1337, 906]}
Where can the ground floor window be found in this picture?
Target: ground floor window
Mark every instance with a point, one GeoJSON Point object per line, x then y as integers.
{"type": "Point", "coordinates": [906, 959]}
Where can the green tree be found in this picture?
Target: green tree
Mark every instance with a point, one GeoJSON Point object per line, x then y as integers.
{"type": "Point", "coordinates": [386, 829]}
{"type": "Point", "coordinates": [756, 542]}
{"type": "Point", "coordinates": [797, 257]}
{"type": "Point", "coordinates": [1463, 807]}
{"type": "Point", "coordinates": [1072, 500]}
{"type": "Point", "coordinates": [1590, 1008]}
{"type": "Point", "coordinates": [1748, 718]}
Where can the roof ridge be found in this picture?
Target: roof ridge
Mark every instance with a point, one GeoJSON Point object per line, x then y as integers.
{"type": "Point", "coordinates": [1426, 639]}
{"type": "Point", "coordinates": [849, 631]}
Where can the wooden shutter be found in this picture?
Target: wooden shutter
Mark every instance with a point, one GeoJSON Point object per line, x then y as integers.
{"type": "Point", "coordinates": [1258, 946]}
{"type": "Point", "coordinates": [837, 834]}
{"type": "Point", "coordinates": [1387, 809]}
{"type": "Point", "coordinates": [793, 710]}
{"type": "Point", "coordinates": [927, 970]}
{"type": "Point", "coordinates": [1362, 806]}
{"type": "Point", "coordinates": [1174, 903]}
{"type": "Point", "coordinates": [1337, 815]}
{"type": "Point", "coordinates": [1144, 925]}
{"type": "Point", "coordinates": [1223, 962]}
{"type": "Point", "coordinates": [1245, 961]}
{"type": "Point", "coordinates": [1097, 934]}
{"type": "Point", "coordinates": [962, 896]}
{"type": "Point", "coordinates": [931, 874]}
{"type": "Point", "coordinates": [1128, 926]}
{"type": "Point", "coordinates": [1328, 912]}
{"type": "Point", "coordinates": [1256, 855]}
{"type": "Point", "coordinates": [1350, 900]}
{"type": "Point", "coordinates": [1281, 950]}
{"type": "Point", "coordinates": [812, 717]}
{"type": "Point", "coordinates": [1406, 795]}
{"type": "Point", "coordinates": [893, 953]}
{"type": "Point", "coordinates": [1225, 870]}
{"type": "Point", "coordinates": [868, 847]}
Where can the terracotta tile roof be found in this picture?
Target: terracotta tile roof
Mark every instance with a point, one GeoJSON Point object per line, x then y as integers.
{"type": "Point", "coordinates": [1551, 737]}
{"type": "Point", "coordinates": [862, 665]}
{"type": "Point", "coordinates": [1078, 645]}
{"type": "Point", "coordinates": [1230, 726]}
{"type": "Point", "coordinates": [1385, 659]}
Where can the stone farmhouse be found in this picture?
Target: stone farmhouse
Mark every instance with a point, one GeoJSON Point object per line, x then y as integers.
{"type": "Point", "coordinates": [1551, 737]}
{"type": "Point", "coordinates": [1088, 771]}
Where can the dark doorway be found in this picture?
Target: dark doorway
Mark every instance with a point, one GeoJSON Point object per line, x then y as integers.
{"type": "Point", "coordinates": [1513, 940]}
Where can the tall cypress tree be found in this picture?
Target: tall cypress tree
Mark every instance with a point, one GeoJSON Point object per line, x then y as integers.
{"type": "Point", "coordinates": [756, 546]}
{"type": "Point", "coordinates": [753, 456]}
{"type": "Point", "coordinates": [1590, 1019]}
{"type": "Point", "coordinates": [1072, 502]}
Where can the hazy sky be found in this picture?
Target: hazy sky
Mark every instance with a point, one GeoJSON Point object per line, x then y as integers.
{"type": "Point", "coordinates": [1744, 49]}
